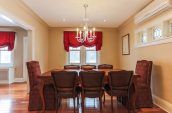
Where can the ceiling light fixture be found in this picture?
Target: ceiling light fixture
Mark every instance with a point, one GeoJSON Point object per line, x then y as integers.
{"type": "Point", "coordinates": [86, 33]}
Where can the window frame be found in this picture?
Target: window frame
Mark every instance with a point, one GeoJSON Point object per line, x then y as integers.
{"type": "Point", "coordinates": [69, 56]}
{"type": "Point", "coordinates": [144, 37]}
{"type": "Point", "coordinates": [83, 57]}
{"type": "Point", "coordinates": [7, 64]}
{"type": "Point", "coordinates": [85, 60]}
{"type": "Point", "coordinates": [153, 32]}
{"type": "Point", "coordinates": [169, 28]}
{"type": "Point", "coordinates": [165, 24]}
{"type": "Point", "coordinates": [141, 35]}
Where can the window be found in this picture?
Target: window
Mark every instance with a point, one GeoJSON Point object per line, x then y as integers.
{"type": "Point", "coordinates": [142, 36]}
{"type": "Point", "coordinates": [157, 32]}
{"type": "Point", "coordinates": [83, 55]}
{"type": "Point", "coordinates": [170, 28]}
{"type": "Point", "coordinates": [91, 55]}
{"type": "Point", "coordinates": [154, 33]}
{"type": "Point", "coordinates": [74, 55]}
{"type": "Point", "coordinates": [5, 56]}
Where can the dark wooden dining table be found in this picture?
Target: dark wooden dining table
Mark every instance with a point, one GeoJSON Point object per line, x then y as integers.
{"type": "Point", "coordinates": [47, 79]}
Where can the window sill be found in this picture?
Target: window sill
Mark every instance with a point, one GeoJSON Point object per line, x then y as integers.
{"type": "Point", "coordinates": [6, 66]}
{"type": "Point", "coordinates": [155, 42]}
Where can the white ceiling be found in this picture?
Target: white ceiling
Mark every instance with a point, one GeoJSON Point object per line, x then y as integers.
{"type": "Point", "coordinates": [70, 13]}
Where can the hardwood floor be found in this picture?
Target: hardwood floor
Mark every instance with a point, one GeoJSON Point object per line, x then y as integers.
{"type": "Point", "coordinates": [14, 99]}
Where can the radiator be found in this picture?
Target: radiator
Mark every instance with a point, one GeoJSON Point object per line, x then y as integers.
{"type": "Point", "coordinates": [6, 75]}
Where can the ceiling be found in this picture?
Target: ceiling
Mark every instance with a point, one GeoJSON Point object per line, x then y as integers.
{"type": "Point", "coordinates": [70, 13]}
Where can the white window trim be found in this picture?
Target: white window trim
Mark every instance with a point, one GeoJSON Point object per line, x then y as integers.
{"type": "Point", "coordinates": [83, 58]}
{"type": "Point", "coordinates": [156, 42]}
{"type": "Point", "coordinates": [97, 56]}
{"type": "Point", "coordinates": [153, 29]}
{"type": "Point", "coordinates": [68, 57]}
{"type": "Point", "coordinates": [166, 37]}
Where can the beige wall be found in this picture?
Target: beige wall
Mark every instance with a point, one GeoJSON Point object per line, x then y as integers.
{"type": "Point", "coordinates": [17, 10]}
{"type": "Point", "coordinates": [160, 55]}
{"type": "Point", "coordinates": [58, 56]}
{"type": "Point", "coordinates": [18, 53]}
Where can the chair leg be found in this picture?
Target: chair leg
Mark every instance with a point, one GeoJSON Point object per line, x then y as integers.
{"type": "Point", "coordinates": [94, 103]}
{"type": "Point", "coordinates": [128, 104]}
{"type": "Point", "coordinates": [78, 101]}
{"type": "Point", "coordinates": [104, 98]}
{"type": "Point", "coordinates": [112, 103]}
{"type": "Point", "coordinates": [100, 102]}
{"type": "Point", "coordinates": [58, 104]}
{"type": "Point", "coordinates": [83, 104]}
{"type": "Point", "coordinates": [74, 104]}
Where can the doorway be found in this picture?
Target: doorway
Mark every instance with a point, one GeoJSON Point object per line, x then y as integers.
{"type": "Point", "coordinates": [8, 21]}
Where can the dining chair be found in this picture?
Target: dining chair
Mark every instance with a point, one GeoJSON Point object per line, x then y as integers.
{"type": "Point", "coordinates": [88, 67]}
{"type": "Point", "coordinates": [92, 86]}
{"type": "Point", "coordinates": [144, 68]}
{"type": "Point", "coordinates": [65, 85]}
{"type": "Point", "coordinates": [105, 66]}
{"type": "Point", "coordinates": [119, 85]}
{"type": "Point", "coordinates": [36, 93]}
{"type": "Point", "coordinates": [71, 67]}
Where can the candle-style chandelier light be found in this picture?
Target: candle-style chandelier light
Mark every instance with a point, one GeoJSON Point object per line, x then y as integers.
{"type": "Point", "coordinates": [86, 33]}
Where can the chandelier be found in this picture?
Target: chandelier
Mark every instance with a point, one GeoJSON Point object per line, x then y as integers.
{"type": "Point", "coordinates": [86, 33]}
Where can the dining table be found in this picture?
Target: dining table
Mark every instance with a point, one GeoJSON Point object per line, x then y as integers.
{"type": "Point", "coordinates": [47, 80]}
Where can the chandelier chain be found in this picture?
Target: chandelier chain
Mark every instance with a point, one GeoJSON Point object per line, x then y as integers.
{"type": "Point", "coordinates": [86, 34]}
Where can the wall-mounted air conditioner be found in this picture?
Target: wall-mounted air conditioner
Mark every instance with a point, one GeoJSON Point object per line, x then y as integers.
{"type": "Point", "coordinates": [154, 8]}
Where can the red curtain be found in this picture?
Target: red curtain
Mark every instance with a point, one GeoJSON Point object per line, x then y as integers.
{"type": "Point", "coordinates": [7, 39]}
{"type": "Point", "coordinates": [71, 41]}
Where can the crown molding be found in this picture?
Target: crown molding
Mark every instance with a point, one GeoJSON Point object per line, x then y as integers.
{"type": "Point", "coordinates": [29, 11]}
{"type": "Point", "coordinates": [153, 9]}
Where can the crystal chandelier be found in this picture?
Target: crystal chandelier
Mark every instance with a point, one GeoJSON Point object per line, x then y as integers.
{"type": "Point", "coordinates": [86, 33]}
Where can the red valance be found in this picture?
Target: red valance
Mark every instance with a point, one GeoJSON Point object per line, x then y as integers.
{"type": "Point", "coordinates": [71, 41]}
{"type": "Point", "coordinates": [7, 39]}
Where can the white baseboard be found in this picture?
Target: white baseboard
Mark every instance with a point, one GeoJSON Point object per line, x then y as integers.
{"type": "Point", "coordinates": [4, 82]}
{"type": "Point", "coordinates": [15, 80]}
{"type": "Point", "coordinates": [19, 80]}
{"type": "Point", "coordinates": [165, 105]}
